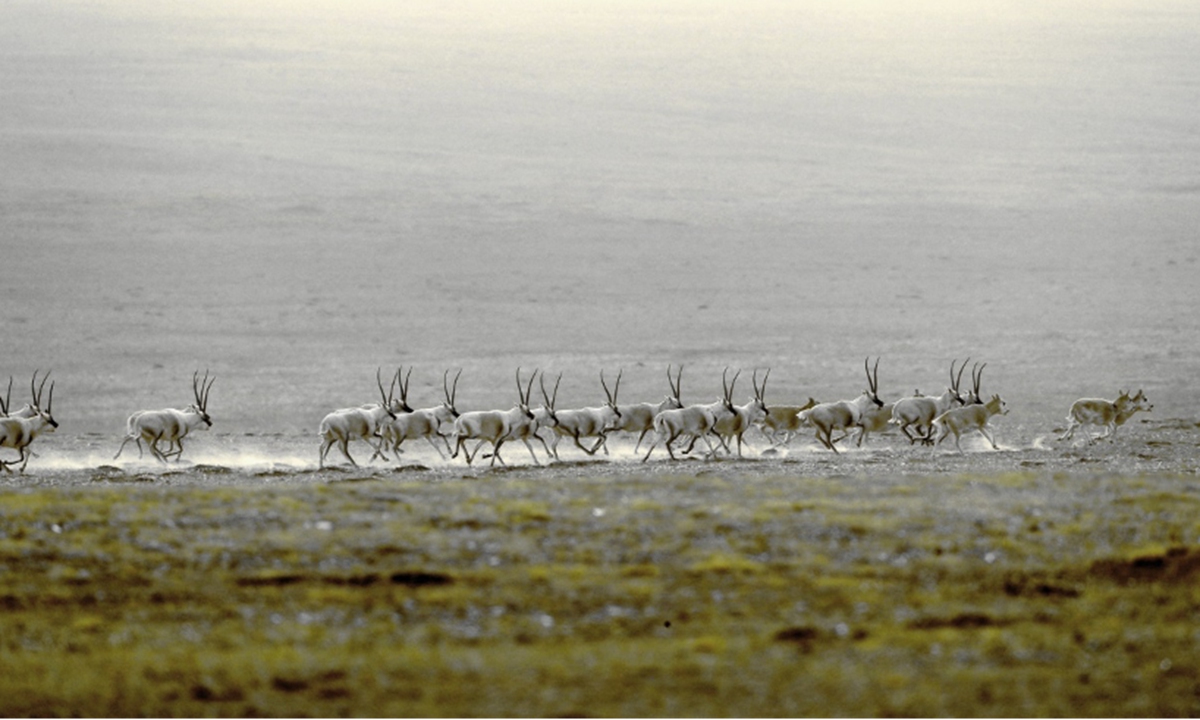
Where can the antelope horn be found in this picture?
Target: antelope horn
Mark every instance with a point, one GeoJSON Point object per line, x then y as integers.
{"type": "Point", "coordinates": [50, 400]}
{"type": "Point", "coordinates": [956, 381]}
{"type": "Point", "coordinates": [7, 398]}
{"type": "Point", "coordinates": [387, 400]}
{"type": "Point", "coordinates": [977, 377]}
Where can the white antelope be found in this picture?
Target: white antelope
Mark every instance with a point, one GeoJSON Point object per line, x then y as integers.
{"type": "Point", "coordinates": [170, 424]}
{"type": "Point", "coordinates": [695, 421]}
{"type": "Point", "coordinates": [874, 419]}
{"type": "Point", "coordinates": [589, 422]}
{"type": "Point", "coordinates": [744, 416]}
{"type": "Point", "coordinates": [844, 414]}
{"type": "Point", "coordinates": [1110, 414]}
{"type": "Point", "coordinates": [970, 417]}
{"type": "Point", "coordinates": [498, 426]}
{"type": "Point", "coordinates": [424, 423]}
{"type": "Point", "coordinates": [17, 432]}
{"type": "Point", "coordinates": [783, 420]}
{"type": "Point", "coordinates": [920, 410]}
{"type": "Point", "coordinates": [639, 417]}
{"type": "Point", "coordinates": [359, 423]}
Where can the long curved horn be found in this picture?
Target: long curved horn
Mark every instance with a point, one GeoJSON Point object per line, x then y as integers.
{"type": "Point", "coordinates": [7, 398]}
{"type": "Point", "coordinates": [977, 377]}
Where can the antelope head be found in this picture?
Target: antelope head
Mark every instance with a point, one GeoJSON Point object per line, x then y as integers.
{"type": "Point", "coordinates": [549, 399]}
{"type": "Point", "coordinates": [872, 381]}
{"type": "Point", "coordinates": [727, 400]}
{"type": "Point", "coordinates": [200, 388]}
{"type": "Point", "coordinates": [451, 393]}
{"type": "Point", "coordinates": [611, 401]}
{"type": "Point", "coordinates": [386, 397]}
{"type": "Point", "coordinates": [400, 382]}
{"type": "Point", "coordinates": [45, 413]}
{"type": "Point", "coordinates": [524, 393]}
{"type": "Point", "coordinates": [674, 402]}
{"type": "Point", "coordinates": [760, 393]}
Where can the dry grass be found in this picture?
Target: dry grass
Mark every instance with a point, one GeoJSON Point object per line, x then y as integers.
{"type": "Point", "coordinates": [706, 594]}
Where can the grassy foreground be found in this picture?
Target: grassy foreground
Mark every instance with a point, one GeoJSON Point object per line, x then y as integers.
{"type": "Point", "coordinates": [705, 594]}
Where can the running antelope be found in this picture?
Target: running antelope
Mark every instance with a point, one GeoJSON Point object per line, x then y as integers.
{"type": "Point", "coordinates": [971, 417]}
{"type": "Point", "coordinates": [170, 425]}
{"type": "Point", "coordinates": [695, 421]}
{"type": "Point", "coordinates": [744, 416]}
{"type": "Point", "coordinates": [921, 410]}
{"type": "Point", "coordinates": [589, 422]}
{"type": "Point", "coordinates": [844, 414]}
{"type": "Point", "coordinates": [359, 423]}
{"type": "Point", "coordinates": [785, 420]}
{"type": "Point", "coordinates": [639, 417]}
{"type": "Point", "coordinates": [424, 423]}
{"type": "Point", "coordinates": [498, 426]}
{"type": "Point", "coordinates": [1111, 414]}
{"type": "Point", "coordinates": [18, 432]}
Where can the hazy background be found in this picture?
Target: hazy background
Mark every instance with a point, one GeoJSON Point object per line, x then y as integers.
{"type": "Point", "coordinates": [292, 194]}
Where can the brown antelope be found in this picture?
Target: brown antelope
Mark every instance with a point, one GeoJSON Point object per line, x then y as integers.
{"type": "Point", "coordinates": [921, 410]}
{"type": "Point", "coordinates": [744, 416]}
{"type": "Point", "coordinates": [360, 423]}
{"type": "Point", "coordinates": [970, 417]}
{"type": "Point", "coordinates": [424, 423]}
{"type": "Point", "coordinates": [844, 414]}
{"type": "Point", "coordinates": [639, 417]}
{"type": "Point", "coordinates": [498, 426]}
{"type": "Point", "coordinates": [783, 420]}
{"type": "Point", "coordinates": [170, 424]}
{"type": "Point", "coordinates": [1111, 414]}
{"type": "Point", "coordinates": [590, 422]}
{"type": "Point", "coordinates": [695, 421]}
{"type": "Point", "coordinates": [18, 432]}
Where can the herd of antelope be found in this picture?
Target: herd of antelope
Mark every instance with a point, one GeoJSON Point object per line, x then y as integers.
{"type": "Point", "coordinates": [721, 425]}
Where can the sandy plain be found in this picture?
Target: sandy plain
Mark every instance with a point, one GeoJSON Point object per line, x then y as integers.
{"type": "Point", "coordinates": [292, 197]}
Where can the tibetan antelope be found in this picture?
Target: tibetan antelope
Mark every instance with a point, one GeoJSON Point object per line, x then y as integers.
{"type": "Point", "coordinates": [18, 432]}
{"type": "Point", "coordinates": [695, 421]}
{"type": "Point", "coordinates": [639, 417]}
{"type": "Point", "coordinates": [920, 410]}
{"type": "Point", "coordinates": [783, 420]}
{"type": "Point", "coordinates": [589, 422]}
{"type": "Point", "coordinates": [424, 423]}
{"type": "Point", "coordinates": [744, 416]}
{"type": "Point", "coordinates": [170, 424]}
{"type": "Point", "coordinates": [874, 419]}
{"type": "Point", "coordinates": [844, 414]}
{"type": "Point", "coordinates": [498, 426]}
{"type": "Point", "coordinates": [970, 417]}
{"type": "Point", "coordinates": [1111, 414]}
{"type": "Point", "coordinates": [359, 423]}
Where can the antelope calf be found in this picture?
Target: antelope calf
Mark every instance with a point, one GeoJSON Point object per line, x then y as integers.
{"type": "Point", "coordinates": [1109, 413]}
{"type": "Point", "coordinates": [970, 417]}
{"type": "Point", "coordinates": [783, 420]}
